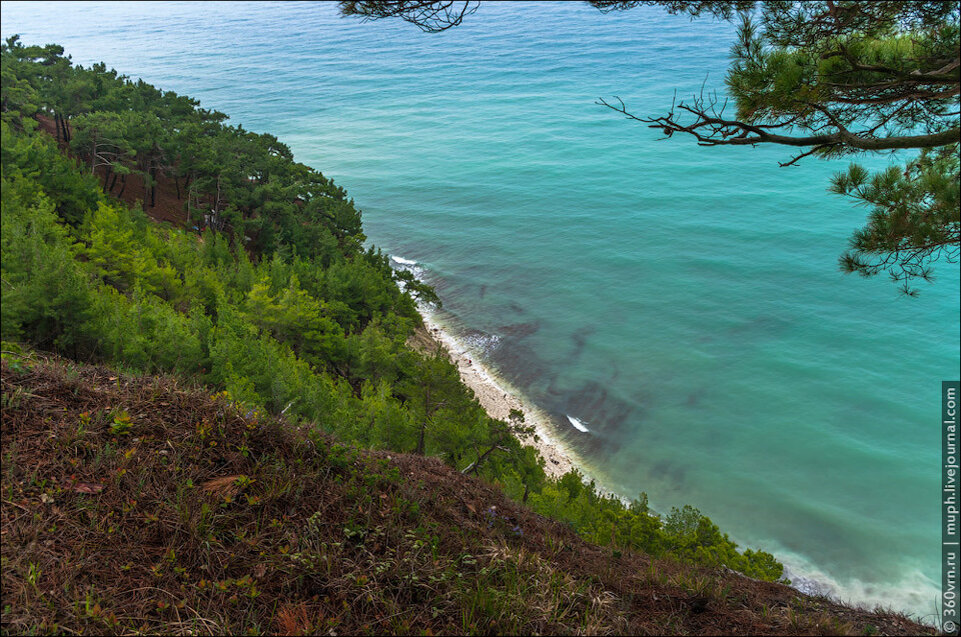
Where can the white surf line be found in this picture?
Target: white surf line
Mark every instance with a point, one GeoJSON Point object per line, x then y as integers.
{"type": "Point", "coordinates": [402, 260]}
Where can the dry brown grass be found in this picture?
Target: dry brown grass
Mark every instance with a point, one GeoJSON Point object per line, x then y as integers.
{"type": "Point", "coordinates": [192, 518]}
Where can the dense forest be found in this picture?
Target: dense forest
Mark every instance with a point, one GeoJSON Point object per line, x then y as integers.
{"type": "Point", "coordinates": [257, 285]}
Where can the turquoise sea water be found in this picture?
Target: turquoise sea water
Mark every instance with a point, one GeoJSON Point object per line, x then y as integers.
{"type": "Point", "coordinates": [684, 302]}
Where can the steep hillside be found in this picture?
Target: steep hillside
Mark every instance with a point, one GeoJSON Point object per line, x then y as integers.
{"type": "Point", "coordinates": [261, 287]}
{"type": "Point", "coordinates": [136, 504]}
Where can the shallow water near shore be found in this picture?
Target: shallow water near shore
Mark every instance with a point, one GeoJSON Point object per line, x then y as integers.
{"type": "Point", "coordinates": [683, 304]}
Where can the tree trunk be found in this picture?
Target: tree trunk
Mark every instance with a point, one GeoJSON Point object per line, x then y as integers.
{"type": "Point", "coordinates": [527, 490]}
{"type": "Point", "coordinates": [177, 184]}
{"type": "Point", "coordinates": [420, 440]}
{"type": "Point", "coordinates": [113, 182]}
{"type": "Point", "coordinates": [153, 183]}
{"type": "Point", "coordinates": [106, 176]}
{"type": "Point", "coordinates": [123, 185]}
{"type": "Point", "coordinates": [423, 428]}
{"type": "Point", "coordinates": [474, 466]}
{"type": "Point", "coordinates": [56, 125]}
{"type": "Point", "coordinates": [217, 204]}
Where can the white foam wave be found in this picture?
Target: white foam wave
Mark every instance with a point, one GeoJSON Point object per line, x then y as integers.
{"type": "Point", "coordinates": [914, 594]}
{"type": "Point", "coordinates": [480, 342]}
{"type": "Point", "coordinates": [578, 424]}
{"type": "Point", "coordinates": [406, 265]}
{"type": "Point", "coordinates": [402, 260]}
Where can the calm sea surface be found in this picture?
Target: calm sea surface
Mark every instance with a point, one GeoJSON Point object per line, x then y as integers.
{"type": "Point", "coordinates": [683, 302]}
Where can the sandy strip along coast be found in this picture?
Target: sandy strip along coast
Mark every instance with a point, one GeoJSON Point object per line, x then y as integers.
{"type": "Point", "coordinates": [494, 395]}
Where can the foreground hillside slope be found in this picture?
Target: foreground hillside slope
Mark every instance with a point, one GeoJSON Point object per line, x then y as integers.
{"type": "Point", "coordinates": [140, 505]}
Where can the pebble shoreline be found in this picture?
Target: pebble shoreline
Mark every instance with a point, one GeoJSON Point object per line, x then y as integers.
{"type": "Point", "coordinates": [498, 399]}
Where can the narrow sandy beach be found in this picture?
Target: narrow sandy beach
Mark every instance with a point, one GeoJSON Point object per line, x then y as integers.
{"type": "Point", "coordinates": [494, 395]}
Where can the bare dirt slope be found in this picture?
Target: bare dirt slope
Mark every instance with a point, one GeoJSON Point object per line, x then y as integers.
{"type": "Point", "coordinates": [167, 205]}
